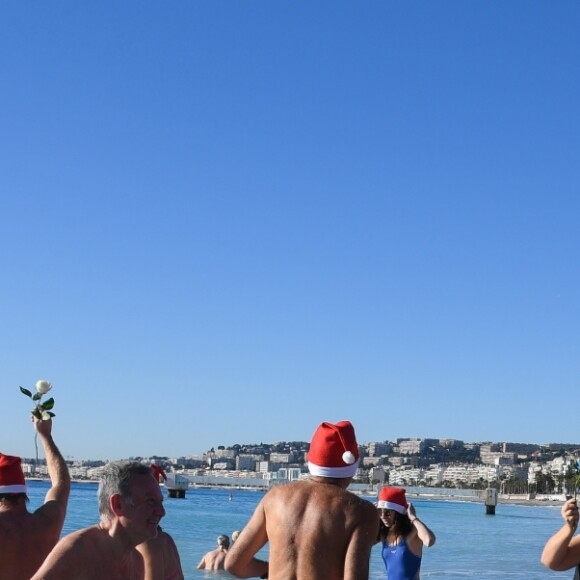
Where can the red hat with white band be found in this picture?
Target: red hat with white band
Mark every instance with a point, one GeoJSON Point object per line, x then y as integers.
{"type": "Point", "coordinates": [393, 498]}
{"type": "Point", "coordinates": [333, 451]}
{"type": "Point", "coordinates": [11, 476]}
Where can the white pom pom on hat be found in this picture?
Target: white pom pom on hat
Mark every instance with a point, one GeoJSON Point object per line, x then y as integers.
{"type": "Point", "coordinates": [348, 458]}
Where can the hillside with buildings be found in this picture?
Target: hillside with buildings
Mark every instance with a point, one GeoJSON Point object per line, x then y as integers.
{"type": "Point", "coordinates": [515, 468]}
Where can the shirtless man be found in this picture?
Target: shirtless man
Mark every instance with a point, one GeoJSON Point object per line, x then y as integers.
{"type": "Point", "coordinates": [27, 538]}
{"type": "Point", "coordinates": [316, 529]}
{"type": "Point", "coordinates": [161, 558]}
{"type": "Point", "coordinates": [215, 559]}
{"type": "Point", "coordinates": [130, 508]}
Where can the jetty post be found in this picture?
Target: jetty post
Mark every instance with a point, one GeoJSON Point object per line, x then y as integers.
{"type": "Point", "coordinates": [490, 500]}
{"type": "Point", "coordinates": [176, 485]}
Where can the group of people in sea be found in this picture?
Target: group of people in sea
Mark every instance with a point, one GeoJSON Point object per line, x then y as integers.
{"type": "Point", "coordinates": [315, 528]}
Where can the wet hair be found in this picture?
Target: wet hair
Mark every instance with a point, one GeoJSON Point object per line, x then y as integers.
{"type": "Point", "coordinates": [223, 541]}
{"type": "Point", "coordinates": [13, 498]}
{"type": "Point", "coordinates": [116, 478]}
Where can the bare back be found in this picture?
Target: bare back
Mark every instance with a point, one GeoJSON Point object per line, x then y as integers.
{"type": "Point", "coordinates": [213, 560]}
{"type": "Point", "coordinates": [91, 554]}
{"type": "Point", "coordinates": [26, 539]}
{"type": "Point", "coordinates": [316, 531]}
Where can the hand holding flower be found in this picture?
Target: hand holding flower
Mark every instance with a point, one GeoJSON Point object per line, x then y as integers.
{"type": "Point", "coordinates": [41, 414]}
{"type": "Point", "coordinates": [42, 411]}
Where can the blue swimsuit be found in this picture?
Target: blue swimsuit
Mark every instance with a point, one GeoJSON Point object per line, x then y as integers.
{"type": "Point", "coordinates": [400, 562]}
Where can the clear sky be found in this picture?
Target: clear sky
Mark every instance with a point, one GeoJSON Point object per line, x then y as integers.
{"type": "Point", "coordinates": [225, 222]}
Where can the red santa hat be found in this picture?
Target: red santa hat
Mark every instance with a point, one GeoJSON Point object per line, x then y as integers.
{"type": "Point", "coordinates": [333, 451]}
{"type": "Point", "coordinates": [158, 472]}
{"type": "Point", "coordinates": [11, 476]}
{"type": "Point", "coordinates": [393, 498]}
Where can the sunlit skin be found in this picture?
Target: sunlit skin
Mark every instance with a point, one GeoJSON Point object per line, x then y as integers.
{"type": "Point", "coordinates": [562, 551]}
{"type": "Point", "coordinates": [107, 550]}
{"type": "Point", "coordinates": [27, 538]}
{"type": "Point", "coordinates": [144, 510]}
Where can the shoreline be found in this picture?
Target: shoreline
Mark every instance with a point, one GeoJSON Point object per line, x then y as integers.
{"type": "Point", "coordinates": [503, 499]}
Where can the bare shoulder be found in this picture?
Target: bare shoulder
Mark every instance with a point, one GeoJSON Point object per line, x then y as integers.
{"type": "Point", "coordinates": [364, 511]}
{"type": "Point", "coordinates": [299, 492]}
{"type": "Point", "coordinates": [169, 543]}
{"type": "Point", "coordinates": [51, 512]}
{"type": "Point", "coordinates": [82, 542]}
{"type": "Point", "coordinates": [162, 543]}
{"type": "Point", "coordinates": [151, 547]}
{"type": "Point", "coordinates": [80, 536]}
{"type": "Point", "coordinates": [70, 554]}
{"type": "Point", "coordinates": [362, 504]}
{"type": "Point", "coordinates": [281, 493]}
{"type": "Point", "coordinates": [369, 506]}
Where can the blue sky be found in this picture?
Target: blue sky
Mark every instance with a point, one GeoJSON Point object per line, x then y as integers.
{"type": "Point", "coordinates": [227, 222]}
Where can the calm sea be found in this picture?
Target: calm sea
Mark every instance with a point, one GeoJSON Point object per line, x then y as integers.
{"type": "Point", "coordinates": [469, 543]}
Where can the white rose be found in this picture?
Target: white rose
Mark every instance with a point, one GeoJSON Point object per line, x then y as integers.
{"type": "Point", "coordinates": [43, 387]}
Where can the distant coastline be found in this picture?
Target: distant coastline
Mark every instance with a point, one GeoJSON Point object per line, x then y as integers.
{"type": "Point", "coordinates": [426, 494]}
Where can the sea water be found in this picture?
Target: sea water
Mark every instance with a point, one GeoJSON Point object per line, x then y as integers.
{"type": "Point", "coordinates": [470, 544]}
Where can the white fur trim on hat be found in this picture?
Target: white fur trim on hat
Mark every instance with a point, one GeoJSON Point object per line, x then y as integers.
{"type": "Point", "coordinates": [17, 488]}
{"type": "Point", "coordinates": [389, 505]}
{"type": "Point", "coordinates": [336, 472]}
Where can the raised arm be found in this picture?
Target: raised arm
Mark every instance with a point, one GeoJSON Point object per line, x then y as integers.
{"type": "Point", "coordinates": [57, 496]}
{"type": "Point", "coordinates": [424, 534]}
{"type": "Point", "coordinates": [562, 550]}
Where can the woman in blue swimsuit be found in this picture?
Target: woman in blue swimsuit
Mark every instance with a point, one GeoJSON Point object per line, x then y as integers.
{"type": "Point", "coordinates": [402, 534]}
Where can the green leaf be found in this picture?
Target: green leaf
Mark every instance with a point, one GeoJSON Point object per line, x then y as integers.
{"type": "Point", "coordinates": [36, 396]}
{"type": "Point", "coordinates": [48, 404]}
{"type": "Point", "coordinates": [51, 414]}
{"type": "Point", "coordinates": [36, 413]}
{"type": "Point", "coordinates": [26, 392]}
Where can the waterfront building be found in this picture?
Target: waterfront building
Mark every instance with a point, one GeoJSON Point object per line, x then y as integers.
{"type": "Point", "coordinates": [282, 458]}
{"type": "Point", "coordinates": [434, 474]}
{"type": "Point", "coordinates": [289, 474]}
{"type": "Point", "coordinates": [247, 461]}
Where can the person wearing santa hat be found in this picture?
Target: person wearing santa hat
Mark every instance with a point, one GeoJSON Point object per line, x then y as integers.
{"type": "Point", "coordinates": [316, 529]}
{"type": "Point", "coordinates": [402, 534]}
{"type": "Point", "coordinates": [27, 538]}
